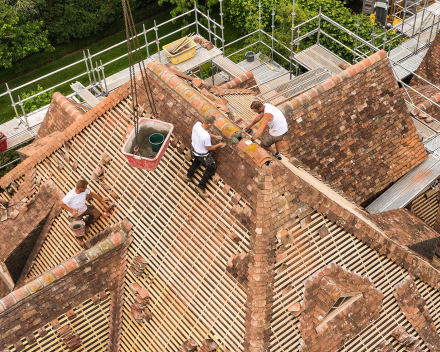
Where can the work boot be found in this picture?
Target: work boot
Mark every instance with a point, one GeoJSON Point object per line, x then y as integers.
{"type": "Point", "coordinates": [202, 192]}
{"type": "Point", "coordinates": [187, 179]}
{"type": "Point", "coordinates": [277, 155]}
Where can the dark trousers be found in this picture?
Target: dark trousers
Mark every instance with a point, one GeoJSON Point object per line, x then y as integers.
{"type": "Point", "coordinates": [93, 215]}
{"type": "Point", "coordinates": [209, 171]}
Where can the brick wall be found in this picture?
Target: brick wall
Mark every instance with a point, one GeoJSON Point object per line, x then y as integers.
{"type": "Point", "coordinates": [354, 130]}
{"type": "Point", "coordinates": [64, 287]}
{"type": "Point", "coordinates": [60, 115]}
{"type": "Point", "coordinates": [429, 69]}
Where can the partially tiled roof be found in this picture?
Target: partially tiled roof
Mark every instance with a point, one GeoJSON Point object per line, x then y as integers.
{"type": "Point", "coordinates": [397, 222]}
{"type": "Point", "coordinates": [90, 322]}
{"type": "Point", "coordinates": [184, 232]}
{"type": "Point", "coordinates": [317, 243]}
{"type": "Point", "coordinates": [187, 240]}
{"type": "Point", "coordinates": [423, 89]}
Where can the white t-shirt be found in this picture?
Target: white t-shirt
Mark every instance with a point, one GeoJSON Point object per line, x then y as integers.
{"type": "Point", "coordinates": [278, 125]}
{"type": "Point", "coordinates": [76, 201]}
{"type": "Point", "coordinates": [200, 139]}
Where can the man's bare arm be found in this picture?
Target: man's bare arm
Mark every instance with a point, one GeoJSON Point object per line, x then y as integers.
{"type": "Point", "coordinates": [263, 125]}
{"type": "Point", "coordinates": [65, 207]}
{"type": "Point", "coordinates": [213, 147]}
{"type": "Point", "coordinates": [97, 197]}
{"type": "Point", "coordinates": [215, 136]}
{"type": "Point", "coordinates": [255, 120]}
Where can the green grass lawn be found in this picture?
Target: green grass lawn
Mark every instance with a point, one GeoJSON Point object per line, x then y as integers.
{"type": "Point", "coordinates": [6, 111]}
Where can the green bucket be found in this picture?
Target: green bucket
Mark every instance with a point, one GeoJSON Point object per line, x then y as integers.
{"type": "Point", "coordinates": [156, 141]}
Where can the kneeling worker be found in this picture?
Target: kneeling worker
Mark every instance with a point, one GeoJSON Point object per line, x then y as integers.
{"type": "Point", "coordinates": [75, 202]}
{"type": "Point", "coordinates": [201, 148]}
{"type": "Point", "coordinates": [274, 118]}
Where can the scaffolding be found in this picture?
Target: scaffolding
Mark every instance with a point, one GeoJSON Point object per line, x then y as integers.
{"type": "Point", "coordinates": [413, 42]}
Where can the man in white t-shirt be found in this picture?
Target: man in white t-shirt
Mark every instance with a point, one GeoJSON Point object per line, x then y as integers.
{"type": "Point", "coordinates": [201, 148]}
{"type": "Point", "coordinates": [275, 120]}
{"type": "Point", "coordinates": [75, 202]}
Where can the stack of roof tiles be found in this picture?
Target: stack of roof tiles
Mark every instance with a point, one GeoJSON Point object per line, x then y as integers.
{"type": "Point", "coordinates": [405, 339]}
{"type": "Point", "coordinates": [415, 309]}
{"type": "Point", "coordinates": [139, 309]}
{"type": "Point", "coordinates": [138, 266]}
{"type": "Point", "coordinates": [208, 345]}
{"type": "Point", "coordinates": [69, 337]}
{"type": "Point", "coordinates": [238, 267]}
{"type": "Point", "coordinates": [189, 345]}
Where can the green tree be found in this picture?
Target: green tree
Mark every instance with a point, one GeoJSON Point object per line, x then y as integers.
{"type": "Point", "coordinates": [7, 157]}
{"type": "Point", "coordinates": [37, 102]}
{"type": "Point", "coordinates": [75, 19]}
{"type": "Point", "coordinates": [243, 14]}
{"type": "Point", "coordinates": [182, 6]}
{"type": "Point", "coordinates": [20, 34]}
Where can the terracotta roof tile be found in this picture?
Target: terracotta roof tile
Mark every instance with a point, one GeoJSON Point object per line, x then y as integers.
{"type": "Point", "coordinates": [358, 136]}
{"type": "Point", "coordinates": [430, 66]}
{"type": "Point", "coordinates": [60, 115]}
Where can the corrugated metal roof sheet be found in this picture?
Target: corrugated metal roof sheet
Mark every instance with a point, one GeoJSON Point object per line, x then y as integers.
{"type": "Point", "coordinates": [408, 187]}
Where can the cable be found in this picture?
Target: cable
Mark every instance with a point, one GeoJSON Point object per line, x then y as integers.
{"type": "Point", "coordinates": [131, 34]}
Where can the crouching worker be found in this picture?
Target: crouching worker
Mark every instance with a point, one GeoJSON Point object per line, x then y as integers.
{"type": "Point", "coordinates": [274, 118]}
{"type": "Point", "coordinates": [75, 203]}
{"type": "Point", "coordinates": [201, 148]}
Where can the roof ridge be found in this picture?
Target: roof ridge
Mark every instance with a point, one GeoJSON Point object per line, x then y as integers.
{"type": "Point", "coordinates": [425, 104]}
{"type": "Point", "coordinates": [261, 274]}
{"type": "Point", "coordinates": [62, 100]}
{"type": "Point", "coordinates": [308, 95]}
{"type": "Point", "coordinates": [198, 101]}
{"type": "Point", "coordinates": [237, 80]}
{"type": "Point", "coordinates": [81, 123]}
{"type": "Point", "coordinates": [113, 241]}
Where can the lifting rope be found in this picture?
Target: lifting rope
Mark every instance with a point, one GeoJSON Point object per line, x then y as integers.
{"type": "Point", "coordinates": [131, 35]}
